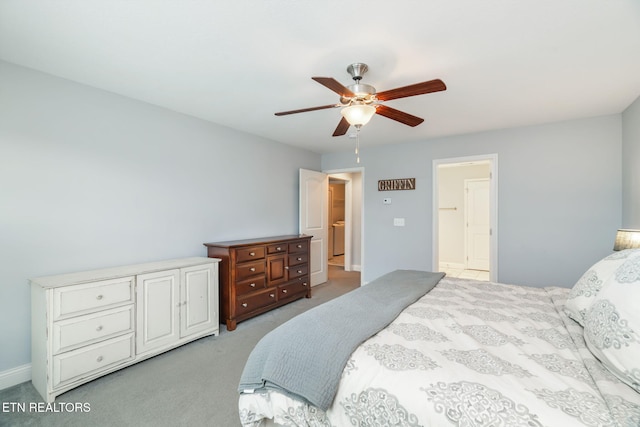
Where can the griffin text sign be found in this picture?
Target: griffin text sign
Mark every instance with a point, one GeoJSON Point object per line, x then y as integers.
{"type": "Point", "coordinates": [397, 184]}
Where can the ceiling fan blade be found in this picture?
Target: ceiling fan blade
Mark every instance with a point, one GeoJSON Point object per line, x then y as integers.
{"type": "Point", "coordinates": [334, 85]}
{"type": "Point", "coordinates": [342, 128]}
{"type": "Point", "coordinates": [436, 85]}
{"type": "Point", "coordinates": [398, 116]}
{"type": "Point", "coordinates": [304, 110]}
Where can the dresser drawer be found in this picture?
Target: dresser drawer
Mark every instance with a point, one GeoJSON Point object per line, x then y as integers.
{"type": "Point", "coordinates": [253, 302]}
{"type": "Point", "coordinates": [82, 330]}
{"type": "Point", "coordinates": [248, 269]}
{"type": "Point", "coordinates": [293, 288]}
{"type": "Point", "coordinates": [298, 271]}
{"type": "Point", "coordinates": [80, 299]}
{"type": "Point", "coordinates": [297, 259]}
{"type": "Point", "coordinates": [250, 285]}
{"type": "Point", "coordinates": [277, 248]}
{"type": "Point", "coordinates": [248, 254]}
{"type": "Point", "coordinates": [77, 364]}
{"type": "Point", "coordinates": [297, 246]}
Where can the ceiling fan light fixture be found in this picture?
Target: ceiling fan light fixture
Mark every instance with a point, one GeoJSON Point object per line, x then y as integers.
{"type": "Point", "coordinates": [359, 114]}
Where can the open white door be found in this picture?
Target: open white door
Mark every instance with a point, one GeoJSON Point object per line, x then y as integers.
{"type": "Point", "coordinates": [314, 192]}
{"type": "Point", "coordinates": [478, 223]}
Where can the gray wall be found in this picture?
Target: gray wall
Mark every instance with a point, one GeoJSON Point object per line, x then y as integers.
{"type": "Point", "coordinates": [631, 166]}
{"type": "Point", "coordinates": [89, 179]}
{"type": "Point", "coordinates": [559, 197]}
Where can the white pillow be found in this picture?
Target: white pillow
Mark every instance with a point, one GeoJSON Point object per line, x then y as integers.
{"type": "Point", "coordinates": [612, 323]}
{"type": "Point", "coordinates": [585, 291]}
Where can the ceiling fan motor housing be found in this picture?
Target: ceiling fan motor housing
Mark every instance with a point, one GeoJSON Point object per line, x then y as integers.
{"type": "Point", "coordinates": [364, 94]}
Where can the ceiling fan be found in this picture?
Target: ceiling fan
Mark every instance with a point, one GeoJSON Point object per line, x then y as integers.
{"type": "Point", "coordinates": [360, 101]}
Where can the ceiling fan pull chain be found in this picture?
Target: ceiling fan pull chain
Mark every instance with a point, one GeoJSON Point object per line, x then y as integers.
{"type": "Point", "coordinates": [357, 144]}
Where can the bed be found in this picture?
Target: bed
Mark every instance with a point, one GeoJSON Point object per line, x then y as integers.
{"type": "Point", "coordinates": [457, 352]}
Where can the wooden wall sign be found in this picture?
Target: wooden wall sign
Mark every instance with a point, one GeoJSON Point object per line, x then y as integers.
{"type": "Point", "coordinates": [397, 184]}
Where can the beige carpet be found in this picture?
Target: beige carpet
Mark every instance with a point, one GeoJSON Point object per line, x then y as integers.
{"type": "Point", "coordinates": [193, 385]}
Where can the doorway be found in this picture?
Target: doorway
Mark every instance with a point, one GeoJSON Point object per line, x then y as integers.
{"type": "Point", "coordinates": [336, 214]}
{"type": "Point", "coordinates": [346, 215]}
{"type": "Point", "coordinates": [465, 217]}
{"type": "Point", "coordinates": [315, 220]}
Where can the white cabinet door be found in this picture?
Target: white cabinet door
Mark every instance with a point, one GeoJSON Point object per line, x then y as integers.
{"type": "Point", "coordinates": [158, 299]}
{"type": "Point", "coordinates": [199, 309]}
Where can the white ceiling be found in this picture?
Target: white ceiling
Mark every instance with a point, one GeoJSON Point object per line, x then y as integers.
{"type": "Point", "coordinates": [506, 63]}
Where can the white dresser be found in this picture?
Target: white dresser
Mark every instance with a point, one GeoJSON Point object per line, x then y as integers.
{"type": "Point", "coordinates": [87, 324]}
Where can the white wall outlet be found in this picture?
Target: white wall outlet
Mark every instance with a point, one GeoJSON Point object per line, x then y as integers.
{"type": "Point", "coordinates": [386, 201]}
{"type": "Point", "coordinates": [398, 222]}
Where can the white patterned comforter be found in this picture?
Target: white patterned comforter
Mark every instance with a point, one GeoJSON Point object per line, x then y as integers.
{"type": "Point", "coordinates": [468, 353]}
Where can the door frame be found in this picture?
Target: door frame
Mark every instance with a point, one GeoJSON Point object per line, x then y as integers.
{"type": "Point", "coordinates": [493, 206]}
{"type": "Point", "coordinates": [348, 213]}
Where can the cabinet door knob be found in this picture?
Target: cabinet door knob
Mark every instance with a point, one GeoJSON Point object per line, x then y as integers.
{"type": "Point", "coordinates": [99, 328]}
{"type": "Point", "coordinates": [99, 359]}
{"type": "Point", "coordinates": [99, 297]}
{"type": "Point", "coordinates": [244, 304]}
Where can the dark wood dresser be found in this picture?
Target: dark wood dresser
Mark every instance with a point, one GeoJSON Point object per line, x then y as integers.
{"type": "Point", "coordinates": [258, 275]}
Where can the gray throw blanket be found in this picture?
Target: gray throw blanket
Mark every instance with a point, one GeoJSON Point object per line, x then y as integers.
{"type": "Point", "coordinates": [305, 356]}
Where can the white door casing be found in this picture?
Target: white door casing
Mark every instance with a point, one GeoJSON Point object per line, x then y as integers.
{"type": "Point", "coordinates": [477, 224]}
{"type": "Point", "coordinates": [314, 192]}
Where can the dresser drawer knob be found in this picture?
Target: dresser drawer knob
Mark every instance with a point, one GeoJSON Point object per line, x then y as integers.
{"type": "Point", "coordinates": [99, 359]}
{"type": "Point", "coordinates": [299, 271]}
{"type": "Point", "coordinates": [99, 328]}
{"type": "Point", "coordinates": [99, 297]}
{"type": "Point", "coordinates": [252, 269]}
{"type": "Point", "coordinates": [278, 248]}
{"type": "Point", "coordinates": [284, 291]}
{"type": "Point", "coordinates": [253, 285]}
{"type": "Point", "coordinates": [299, 246]}
{"type": "Point", "coordinates": [304, 283]}
{"type": "Point", "coordinates": [272, 295]}
{"type": "Point", "coordinates": [299, 258]}
{"type": "Point", "coordinates": [244, 304]}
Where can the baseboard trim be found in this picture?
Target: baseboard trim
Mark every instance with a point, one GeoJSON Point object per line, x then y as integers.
{"type": "Point", "coordinates": [15, 376]}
